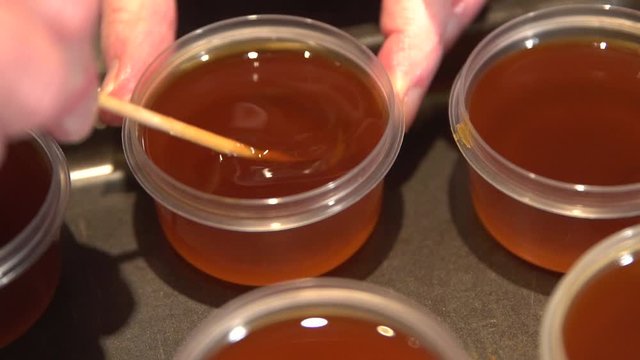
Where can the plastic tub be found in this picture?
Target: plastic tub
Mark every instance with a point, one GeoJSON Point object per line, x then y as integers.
{"type": "Point", "coordinates": [593, 312]}
{"type": "Point", "coordinates": [543, 220]}
{"type": "Point", "coordinates": [270, 239]}
{"type": "Point", "coordinates": [35, 186]}
{"type": "Point", "coordinates": [312, 306]}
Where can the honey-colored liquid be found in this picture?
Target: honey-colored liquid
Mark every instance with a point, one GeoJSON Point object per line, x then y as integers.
{"type": "Point", "coordinates": [302, 102]}
{"type": "Point", "coordinates": [261, 258]}
{"type": "Point", "coordinates": [339, 338]}
{"type": "Point", "coordinates": [25, 179]}
{"type": "Point", "coordinates": [308, 103]}
{"type": "Point", "coordinates": [603, 321]}
{"type": "Point", "coordinates": [566, 110]}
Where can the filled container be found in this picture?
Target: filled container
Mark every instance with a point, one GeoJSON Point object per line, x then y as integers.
{"type": "Point", "coordinates": [593, 312]}
{"type": "Point", "coordinates": [319, 319]}
{"type": "Point", "coordinates": [34, 188]}
{"type": "Point", "coordinates": [546, 112]}
{"type": "Point", "coordinates": [280, 83]}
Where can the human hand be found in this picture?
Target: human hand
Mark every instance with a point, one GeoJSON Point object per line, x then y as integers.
{"type": "Point", "coordinates": [48, 66]}
{"type": "Point", "coordinates": [417, 33]}
{"type": "Point", "coordinates": [133, 33]}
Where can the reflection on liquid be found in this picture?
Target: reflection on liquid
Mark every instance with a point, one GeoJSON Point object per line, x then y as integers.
{"type": "Point", "coordinates": [237, 333]}
{"type": "Point", "coordinates": [385, 331]}
{"type": "Point", "coordinates": [625, 259]}
{"type": "Point", "coordinates": [314, 322]}
{"type": "Point", "coordinates": [530, 43]}
{"type": "Point", "coordinates": [321, 337]}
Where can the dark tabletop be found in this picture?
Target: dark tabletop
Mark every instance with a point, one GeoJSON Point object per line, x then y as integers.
{"type": "Point", "coordinates": [125, 294]}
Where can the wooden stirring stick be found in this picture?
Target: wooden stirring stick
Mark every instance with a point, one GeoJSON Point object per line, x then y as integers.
{"type": "Point", "coordinates": [185, 131]}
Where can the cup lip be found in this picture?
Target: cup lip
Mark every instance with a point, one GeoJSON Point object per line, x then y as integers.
{"type": "Point", "coordinates": [277, 213]}
{"type": "Point", "coordinates": [323, 292]}
{"type": "Point", "coordinates": [29, 244]}
{"type": "Point", "coordinates": [598, 258]}
{"type": "Point", "coordinates": [555, 196]}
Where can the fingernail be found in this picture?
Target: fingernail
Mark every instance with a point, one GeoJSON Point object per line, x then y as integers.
{"type": "Point", "coordinates": [411, 103]}
{"type": "Point", "coordinates": [109, 82]}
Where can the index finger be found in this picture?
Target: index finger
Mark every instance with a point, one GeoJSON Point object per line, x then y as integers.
{"type": "Point", "coordinates": [417, 33]}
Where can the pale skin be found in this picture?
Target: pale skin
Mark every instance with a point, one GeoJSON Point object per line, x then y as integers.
{"type": "Point", "coordinates": [49, 76]}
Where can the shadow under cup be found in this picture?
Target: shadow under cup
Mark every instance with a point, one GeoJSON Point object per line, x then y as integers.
{"type": "Point", "coordinates": [257, 241]}
{"type": "Point", "coordinates": [550, 221]}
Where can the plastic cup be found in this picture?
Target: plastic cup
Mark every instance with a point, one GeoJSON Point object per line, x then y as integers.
{"type": "Point", "coordinates": [30, 260]}
{"type": "Point", "coordinates": [545, 221]}
{"type": "Point", "coordinates": [262, 241]}
{"type": "Point", "coordinates": [593, 312]}
{"type": "Point", "coordinates": [314, 300]}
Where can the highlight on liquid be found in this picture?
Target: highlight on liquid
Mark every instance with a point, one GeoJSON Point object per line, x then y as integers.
{"type": "Point", "coordinates": [546, 112]}
{"type": "Point", "coordinates": [329, 106]}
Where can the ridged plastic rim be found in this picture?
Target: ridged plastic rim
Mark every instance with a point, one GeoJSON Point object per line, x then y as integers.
{"type": "Point", "coordinates": [258, 215]}
{"type": "Point", "coordinates": [25, 248]}
{"type": "Point", "coordinates": [574, 200]}
{"type": "Point", "coordinates": [598, 258]}
{"type": "Point", "coordinates": [323, 294]}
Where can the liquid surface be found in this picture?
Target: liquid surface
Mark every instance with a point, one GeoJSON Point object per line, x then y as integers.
{"type": "Point", "coordinates": [306, 103]}
{"type": "Point", "coordinates": [25, 178]}
{"type": "Point", "coordinates": [568, 110]}
{"type": "Point", "coordinates": [603, 321]}
{"type": "Point", "coordinates": [325, 338]}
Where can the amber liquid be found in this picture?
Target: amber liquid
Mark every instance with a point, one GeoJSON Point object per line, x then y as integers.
{"type": "Point", "coordinates": [340, 338]}
{"type": "Point", "coordinates": [566, 110]}
{"type": "Point", "coordinates": [25, 178]}
{"type": "Point", "coordinates": [603, 321]}
{"type": "Point", "coordinates": [308, 103]}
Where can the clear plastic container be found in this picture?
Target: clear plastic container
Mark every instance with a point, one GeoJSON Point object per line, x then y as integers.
{"type": "Point", "coordinates": [545, 221]}
{"type": "Point", "coordinates": [314, 300]}
{"type": "Point", "coordinates": [29, 257]}
{"type": "Point", "coordinates": [262, 241]}
{"type": "Point", "coordinates": [579, 317]}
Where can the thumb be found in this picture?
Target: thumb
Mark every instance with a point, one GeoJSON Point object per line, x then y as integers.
{"type": "Point", "coordinates": [133, 32]}
{"type": "Point", "coordinates": [417, 34]}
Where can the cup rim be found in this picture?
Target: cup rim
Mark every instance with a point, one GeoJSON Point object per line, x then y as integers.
{"type": "Point", "coordinates": [555, 196]}
{"type": "Point", "coordinates": [286, 211]}
{"type": "Point", "coordinates": [31, 242]}
{"type": "Point", "coordinates": [598, 258]}
{"type": "Point", "coordinates": [324, 292]}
